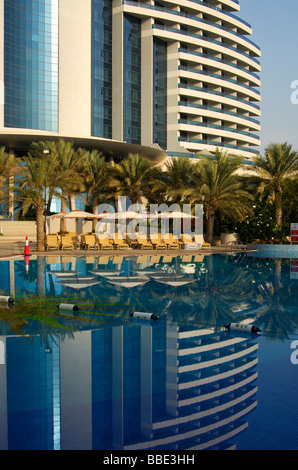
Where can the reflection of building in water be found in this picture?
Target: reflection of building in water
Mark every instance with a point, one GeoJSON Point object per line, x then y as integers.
{"type": "Point", "coordinates": [209, 390]}
{"type": "Point", "coordinates": [127, 387]}
{"type": "Point", "coordinates": [30, 394]}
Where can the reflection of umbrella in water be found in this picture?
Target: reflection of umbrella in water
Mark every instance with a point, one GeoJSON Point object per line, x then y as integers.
{"type": "Point", "coordinates": [107, 272]}
{"type": "Point", "coordinates": [173, 280]}
{"type": "Point", "coordinates": [79, 282]}
{"type": "Point", "coordinates": [151, 273]}
{"type": "Point", "coordinates": [127, 281]}
{"type": "Point", "coordinates": [64, 273]}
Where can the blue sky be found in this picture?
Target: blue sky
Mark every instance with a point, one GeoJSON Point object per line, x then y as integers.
{"type": "Point", "coordinates": [274, 24]}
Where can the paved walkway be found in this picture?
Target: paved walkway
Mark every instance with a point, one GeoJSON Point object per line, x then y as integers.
{"type": "Point", "coordinates": [10, 248]}
{"type": "Point", "coordinates": [15, 247]}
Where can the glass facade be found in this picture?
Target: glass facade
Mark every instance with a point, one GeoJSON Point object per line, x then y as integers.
{"type": "Point", "coordinates": [34, 414]}
{"type": "Point", "coordinates": [31, 64]}
{"type": "Point", "coordinates": [101, 69]}
{"type": "Point", "coordinates": [210, 99]}
{"type": "Point", "coordinates": [132, 80]}
{"type": "Point", "coordinates": [160, 93]}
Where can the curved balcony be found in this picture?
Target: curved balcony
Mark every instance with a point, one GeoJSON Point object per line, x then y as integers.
{"type": "Point", "coordinates": [200, 41]}
{"type": "Point", "coordinates": [194, 145]}
{"type": "Point", "coordinates": [194, 126]}
{"type": "Point", "coordinates": [213, 72]}
{"type": "Point", "coordinates": [219, 14]}
{"type": "Point", "coordinates": [186, 19]}
{"type": "Point", "coordinates": [216, 62]}
{"type": "Point", "coordinates": [219, 97]}
{"type": "Point", "coordinates": [216, 113]}
{"type": "Point", "coordinates": [220, 80]}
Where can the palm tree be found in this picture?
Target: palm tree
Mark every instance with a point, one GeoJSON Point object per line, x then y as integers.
{"type": "Point", "coordinates": [175, 178]}
{"type": "Point", "coordinates": [95, 177]}
{"type": "Point", "coordinates": [69, 171]}
{"type": "Point", "coordinates": [35, 176]}
{"type": "Point", "coordinates": [279, 165]}
{"type": "Point", "coordinates": [8, 169]}
{"type": "Point", "coordinates": [132, 177]}
{"type": "Point", "coordinates": [217, 185]}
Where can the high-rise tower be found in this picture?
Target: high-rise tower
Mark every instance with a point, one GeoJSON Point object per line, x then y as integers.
{"type": "Point", "coordinates": [182, 75]}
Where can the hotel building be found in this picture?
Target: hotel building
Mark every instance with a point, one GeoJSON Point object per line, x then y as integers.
{"type": "Point", "coordinates": [158, 77]}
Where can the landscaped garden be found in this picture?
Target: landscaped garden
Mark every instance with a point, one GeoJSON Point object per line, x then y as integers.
{"type": "Point", "coordinates": [258, 202]}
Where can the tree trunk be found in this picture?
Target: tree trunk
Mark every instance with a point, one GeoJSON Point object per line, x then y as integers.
{"type": "Point", "coordinates": [278, 210]}
{"type": "Point", "coordinates": [40, 228]}
{"type": "Point", "coordinates": [49, 198]}
{"type": "Point", "coordinates": [94, 206]}
{"type": "Point", "coordinates": [210, 227]}
{"type": "Point", "coordinates": [63, 209]}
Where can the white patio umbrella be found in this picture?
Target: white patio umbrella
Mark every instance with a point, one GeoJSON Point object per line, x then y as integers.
{"type": "Point", "coordinates": [76, 214]}
{"type": "Point", "coordinates": [173, 215]}
{"type": "Point", "coordinates": [120, 217]}
{"type": "Point", "coordinates": [123, 215]}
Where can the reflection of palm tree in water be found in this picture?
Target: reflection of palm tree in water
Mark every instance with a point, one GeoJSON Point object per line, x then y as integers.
{"type": "Point", "coordinates": [11, 322]}
{"type": "Point", "coordinates": [210, 299]}
{"type": "Point", "coordinates": [108, 302]}
{"type": "Point", "coordinates": [38, 318]}
{"type": "Point", "coordinates": [280, 316]}
{"type": "Point", "coordinates": [222, 290]}
{"type": "Point", "coordinates": [20, 270]}
{"type": "Point", "coordinates": [40, 275]}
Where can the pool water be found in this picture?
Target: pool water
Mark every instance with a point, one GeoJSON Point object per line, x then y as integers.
{"type": "Point", "coordinates": [99, 379]}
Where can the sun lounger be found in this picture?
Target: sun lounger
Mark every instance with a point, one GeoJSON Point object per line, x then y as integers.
{"type": "Point", "coordinates": [118, 241]}
{"type": "Point", "coordinates": [104, 242]}
{"type": "Point", "coordinates": [143, 242]}
{"type": "Point", "coordinates": [189, 243]}
{"type": "Point", "coordinates": [175, 239]}
{"type": "Point", "coordinates": [200, 239]}
{"type": "Point", "coordinates": [131, 240]}
{"type": "Point", "coordinates": [169, 241]}
{"type": "Point", "coordinates": [158, 244]}
{"type": "Point", "coordinates": [66, 241]}
{"type": "Point", "coordinates": [90, 242]}
{"type": "Point", "coordinates": [52, 241]}
{"type": "Point", "coordinates": [186, 238]}
{"type": "Point", "coordinates": [75, 238]}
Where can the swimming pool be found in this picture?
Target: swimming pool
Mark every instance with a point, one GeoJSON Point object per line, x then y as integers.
{"type": "Point", "coordinates": [99, 379]}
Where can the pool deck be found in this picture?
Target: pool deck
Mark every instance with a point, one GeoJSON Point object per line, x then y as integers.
{"type": "Point", "coordinates": [14, 247]}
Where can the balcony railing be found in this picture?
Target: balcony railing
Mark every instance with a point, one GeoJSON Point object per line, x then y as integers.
{"type": "Point", "coordinates": [222, 111]}
{"type": "Point", "coordinates": [215, 126]}
{"type": "Point", "coordinates": [204, 39]}
{"type": "Point", "coordinates": [223, 95]}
